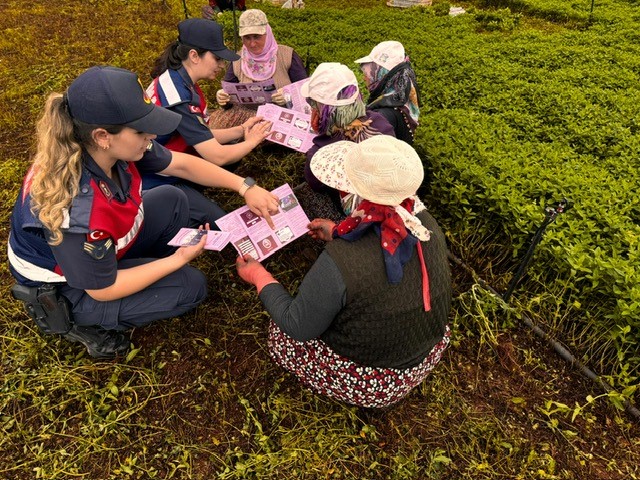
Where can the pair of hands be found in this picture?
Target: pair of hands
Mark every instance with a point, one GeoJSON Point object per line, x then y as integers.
{"type": "Point", "coordinates": [255, 130]}
{"type": "Point", "coordinates": [249, 269]}
{"type": "Point", "coordinates": [224, 98]}
{"type": "Point", "coordinates": [252, 271]}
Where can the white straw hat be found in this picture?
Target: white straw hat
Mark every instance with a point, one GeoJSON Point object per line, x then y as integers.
{"type": "Point", "coordinates": [381, 169]}
{"type": "Point", "coordinates": [327, 82]}
{"type": "Point", "coordinates": [386, 54]}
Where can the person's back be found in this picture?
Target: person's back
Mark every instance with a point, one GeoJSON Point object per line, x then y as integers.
{"type": "Point", "coordinates": [386, 325]}
{"type": "Point", "coordinates": [370, 318]}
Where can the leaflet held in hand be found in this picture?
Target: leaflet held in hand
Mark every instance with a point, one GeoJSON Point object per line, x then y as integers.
{"type": "Point", "coordinates": [255, 93]}
{"type": "Point", "coordinates": [294, 98]}
{"type": "Point", "coordinates": [250, 234]}
{"type": "Point", "coordinates": [191, 236]}
{"type": "Point", "coordinates": [289, 127]}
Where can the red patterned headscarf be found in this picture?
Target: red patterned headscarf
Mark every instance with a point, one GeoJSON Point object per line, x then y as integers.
{"type": "Point", "coordinates": [396, 240]}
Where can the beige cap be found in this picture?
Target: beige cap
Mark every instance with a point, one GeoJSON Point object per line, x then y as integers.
{"type": "Point", "coordinates": [253, 22]}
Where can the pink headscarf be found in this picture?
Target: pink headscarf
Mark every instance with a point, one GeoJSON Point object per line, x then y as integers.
{"type": "Point", "coordinates": [263, 66]}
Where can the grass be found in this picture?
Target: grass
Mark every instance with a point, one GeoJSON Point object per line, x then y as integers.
{"type": "Point", "coordinates": [198, 397]}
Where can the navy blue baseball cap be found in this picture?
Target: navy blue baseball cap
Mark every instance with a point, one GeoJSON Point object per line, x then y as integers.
{"type": "Point", "coordinates": [114, 96]}
{"type": "Point", "coordinates": [207, 34]}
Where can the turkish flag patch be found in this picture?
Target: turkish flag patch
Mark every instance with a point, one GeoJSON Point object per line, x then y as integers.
{"type": "Point", "coordinates": [96, 235]}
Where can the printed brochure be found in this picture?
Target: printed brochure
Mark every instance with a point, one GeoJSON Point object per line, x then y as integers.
{"type": "Point", "coordinates": [293, 97]}
{"type": "Point", "coordinates": [256, 93]}
{"type": "Point", "coordinates": [290, 128]}
{"type": "Point", "coordinates": [250, 234]}
{"type": "Point", "coordinates": [191, 236]}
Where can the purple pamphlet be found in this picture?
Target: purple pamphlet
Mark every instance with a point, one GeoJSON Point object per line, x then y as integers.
{"type": "Point", "coordinates": [250, 234]}
{"type": "Point", "coordinates": [290, 128]}
{"type": "Point", "coordinates": [294, 98]}
{"type": "Point", "coordinates": [255, 93]}
{"type": "Point", "coordinates": [191, 236]}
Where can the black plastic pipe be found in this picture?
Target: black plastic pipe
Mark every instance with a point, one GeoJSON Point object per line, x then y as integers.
{"type": "Point", "coordinates": [557, 346]}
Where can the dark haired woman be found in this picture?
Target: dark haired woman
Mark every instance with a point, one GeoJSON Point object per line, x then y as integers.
{"type": "Point", "coordinates": [198, 54]}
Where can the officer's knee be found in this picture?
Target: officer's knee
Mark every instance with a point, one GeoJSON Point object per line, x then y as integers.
{"type": "Point", "coordinates": [195, 286]}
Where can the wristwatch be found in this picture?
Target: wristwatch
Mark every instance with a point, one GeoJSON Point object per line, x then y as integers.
{"type": "Point", "coordinates": [246, 185]}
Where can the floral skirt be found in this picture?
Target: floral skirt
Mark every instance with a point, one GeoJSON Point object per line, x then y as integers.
{"type": "Point", "coordinates": [322, 370]}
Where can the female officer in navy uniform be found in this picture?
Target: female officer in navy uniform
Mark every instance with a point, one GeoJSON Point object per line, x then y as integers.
{"type": "Point", "coordinates": [84, 238]}
{"type": "Point", "coordinates": [198, 54]}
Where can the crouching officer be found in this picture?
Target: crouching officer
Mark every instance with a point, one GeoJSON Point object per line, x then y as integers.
{"type": "Point", "coordinates": [88, 250]}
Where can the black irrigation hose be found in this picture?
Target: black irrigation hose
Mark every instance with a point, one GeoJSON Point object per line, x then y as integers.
{"type": "Point", "coordinates": [559, 348]}
{"type": "Point", "coordinates": [186, 12]}
{"type": "Point", "coordinates": [550, 215]}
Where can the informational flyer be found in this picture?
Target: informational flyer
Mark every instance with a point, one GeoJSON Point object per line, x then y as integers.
{"type": "Point", "coordinates": [294, 98]}
{"type": "Point", "coordinates": [251, 234]}
{"type": "Point", "coordinates": [256, 93]}
{"type": "Point", "coordinates": [191, 236]}
{"type": "Point", "coordinates": [290, 128]}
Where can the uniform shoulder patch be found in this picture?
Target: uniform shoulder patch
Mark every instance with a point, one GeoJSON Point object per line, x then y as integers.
{"type": "Point", "coordinates": [99, 249]}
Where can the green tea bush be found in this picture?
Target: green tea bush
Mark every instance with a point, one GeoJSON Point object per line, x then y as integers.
{"type": "Point", "coordinates": [516, 120]}
{"type": "Point", "coordinates": [512, 120]}
{"type": "Point", "coordinates": [498, 20]}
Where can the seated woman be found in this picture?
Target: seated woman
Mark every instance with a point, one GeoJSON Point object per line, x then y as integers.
{"type": "Point", "coordinates": [393, 88]}
{"type": "Point", "coordinates": [337, 113]}
{"type": "Point", "coordinates": [88, 250]}
{"type": "Point", "coordinates": [370, 319]}
{"type": "Point", "coordinates": [198, 54]}
{"type": "Point", "coordinates": [261, 58]}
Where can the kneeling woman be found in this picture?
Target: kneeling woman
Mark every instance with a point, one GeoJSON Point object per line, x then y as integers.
{"type": "Point", "coordinates": [370, 319]}
{"type": "Point", "coordinates": [82, 231]}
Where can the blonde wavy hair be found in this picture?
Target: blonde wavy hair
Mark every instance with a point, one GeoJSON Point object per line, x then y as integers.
{"type": "Point", "coordinates": [57, 167]}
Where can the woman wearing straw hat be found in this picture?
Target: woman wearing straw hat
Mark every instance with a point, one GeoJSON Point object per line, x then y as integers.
{"type": "Point", "coordinates": [87, 248]}
{"type": "Point", "coordinates": [393, 88]}
{"type": "Point", "coordinates": [261, 58]}
{"type": "Point", "coordinates": [370, 319]}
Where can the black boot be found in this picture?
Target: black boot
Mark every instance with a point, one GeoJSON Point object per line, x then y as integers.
{"type": "Point", "coordinates": [100, 343]}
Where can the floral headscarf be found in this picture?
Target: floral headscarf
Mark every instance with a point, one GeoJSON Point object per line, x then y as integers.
{"type": "Point", "coordinates": [393, 88]}
{"type": "Point", "coordinates": [263, 66]}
